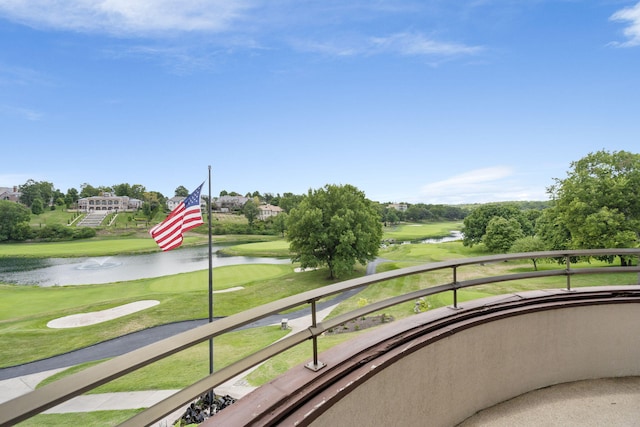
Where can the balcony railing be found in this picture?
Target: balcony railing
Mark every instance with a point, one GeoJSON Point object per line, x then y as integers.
{"type": "Point", "coordinates": [48, 396]}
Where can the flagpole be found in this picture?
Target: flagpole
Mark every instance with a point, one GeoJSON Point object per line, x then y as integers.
{"type": "Point", "coordinates": [210, 279]}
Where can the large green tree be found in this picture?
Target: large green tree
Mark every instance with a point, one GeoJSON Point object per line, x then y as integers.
{"type": "Point", "coordinates": [335, 226]}
{"type": "Point", "coordinates": [251, 212]}
{"type": "Point", "coordinates": [32, 190]}
{"type": "Point", "coordinates": [528, 244]}
{"type": "Point", "coordinates": [71, 197]}
{"type": "Point", "coordinates": [181, 191]}
{"type": "Point", "coordinates": [475, 224]}
{"type": "Point", "coordinates": [501, 233]}
{"type": "Point", "coordinates": [14, 217]}
{"type": "Point", "coordinates": [598, 202]}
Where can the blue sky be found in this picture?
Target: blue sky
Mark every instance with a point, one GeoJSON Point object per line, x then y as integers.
{"type": "Point", "coordinates": [439, 101]}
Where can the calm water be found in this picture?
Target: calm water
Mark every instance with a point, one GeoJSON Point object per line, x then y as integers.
{"type": "Point", "coordinates": [97, 270]}
{"type": "Point", "coordinates": [455, 235]}
{"type": "Point", "coordinates": [86, 271]}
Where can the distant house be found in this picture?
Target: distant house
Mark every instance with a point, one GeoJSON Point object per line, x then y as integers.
{"type": "Point", "coordinates": [398, 206]}
{"type": "Point", "coordinates": [173, 203]}
{"type": "Point", "coordinates": [267, 211]}
{"type": "Point", "coordinates": [11, 194]}
{"type": "Point", "coordinates": [229, 203]}
{"type": "Point", "coordinates": [108, 202]}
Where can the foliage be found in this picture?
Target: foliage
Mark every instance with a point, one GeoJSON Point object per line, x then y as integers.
{"type": "Point", "coordinates": [389, 215]}
{"type": "Point", "coordinates": [181, 191]}
{"type": "Point", "coordinates": [149, 210]}
{"type": "Point", "coordinates": [598, 203]}
{"type": "Point", "coordinates": [334, 226]}
{"type": "Point", "coordinates": [251, 212]}
{"type": "Point", "coordinates": [475, 224]}
{"type": "Point", "coordinates": [32, 190]}
{"type": "Point", "coordinates": [12, 217]}
{"type": "Point", "coordinates": [37, 206]}
{"type": "Point", "coordinates": [71, 197]}
{"type": "Point", "coordinates": [528, 244]}
{"type": "Point", "coordinates": [287, 201]}
{"type": "Point", "coordinates": [135, 191]}
{"type": "Point", "coordinates": [501, 233]}
{"type": "Point", "coordinates": [552, 230]}
{"type": "Point", "coordinates": [423, 212]}
{"type": "Point", "coordinates": [280, 223]}
{"type": "Point", "coordinates": [87, 190]}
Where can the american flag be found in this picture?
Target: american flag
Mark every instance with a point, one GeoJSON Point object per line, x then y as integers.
{"type": "Point", "coordinates": [187, 215]}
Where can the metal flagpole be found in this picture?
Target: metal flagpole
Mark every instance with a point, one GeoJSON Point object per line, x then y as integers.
{"type": "Point", "coordinates": [211, 392]}
{"type": "Point", "coordinates": [210, 280]}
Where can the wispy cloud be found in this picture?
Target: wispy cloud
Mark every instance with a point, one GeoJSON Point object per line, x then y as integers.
{"type": "Point", "coordinates": [630, 15]}
{"type": "Point", "coordinates": [477, 186]}
{"type": "Point", "coordinates": [472, 178]}
{"type": "Point", "coordinates": [126, 17]}
{"type": "Point", "coordinates": [418, 44]}
{"type": "Point", "coordinates": [403, 43]}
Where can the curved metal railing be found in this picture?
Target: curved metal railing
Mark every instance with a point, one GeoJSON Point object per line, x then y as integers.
{"type": "Point", "coordinates": [46, 397]}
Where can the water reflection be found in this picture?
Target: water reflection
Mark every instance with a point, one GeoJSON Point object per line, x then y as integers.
{"type": "Point", "coordinates": [97, 270]}
{"type": "Point", "coordinates": [455, 235]}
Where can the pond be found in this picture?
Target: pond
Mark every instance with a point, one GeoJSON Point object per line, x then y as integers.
{"type": "Point", "coordinates": [454, 236]}
{"type": "Point", "coordinates": [97, 270]}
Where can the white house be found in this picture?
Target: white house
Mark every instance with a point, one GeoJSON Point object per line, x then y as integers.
{"type": "Point", "coordinates": [267, 211]}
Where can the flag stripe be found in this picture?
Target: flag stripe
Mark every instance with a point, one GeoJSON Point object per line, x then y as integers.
{"type": "Point", "coordinates": [187, 215]}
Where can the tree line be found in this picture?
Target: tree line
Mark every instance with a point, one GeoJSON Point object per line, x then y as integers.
{"type": "Point", "coordinates": [597, 205]}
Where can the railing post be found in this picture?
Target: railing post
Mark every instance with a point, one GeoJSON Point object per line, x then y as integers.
{"type": "Point", "coordinates": [568, 271]}
{"type": "Point", "coordinates": [316, 365]}
{"type": "Point", "coordinates": [455, 287]}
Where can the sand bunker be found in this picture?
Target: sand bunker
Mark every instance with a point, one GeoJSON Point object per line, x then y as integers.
{"type": "Point", "coordinates": [86, 319]}
{"type": "Point", "coordinates": [237, 288]}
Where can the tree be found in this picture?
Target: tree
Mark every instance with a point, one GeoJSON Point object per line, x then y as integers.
{"type": "Point", "coordinates": [528, 244]}
{"type": "Point", "coordinates": [87, 190]}
{"type": "Point", "coordinates": [552, 231]}
{"type": "Point", "coordinates": [71, 197]}
{"type": "Point", "coordinates": [251, 212]}
{"type": "Point", "coordinates": [418, 212]}
{"type": "Point", "coordinates": [334, 226]}
{"type": "Point", "coordinates": [138, 191]}
{"type": "Point", "coordinates": [475, 224]}
{"type": "Point", "coordinates": [501, 233]}
{"type": "Point", "coordinates": [181, 191]}
{"type": "Point", "coordinates": [150, 209]}
{"type": "Point", "coordinates": [598, 202]}
{"type": "Point", "coordinates": [32, 190]}
{"type": "Point", "coordinates": [288, 201]}
{"type": "Point", "coordinates": [14, 217]}
{"type": "Point", "coordinates": [122, 189]}
{"type": "Point", "coordinates": [37, 206]}
{"type": "Point", "coordinates": [280, 222]}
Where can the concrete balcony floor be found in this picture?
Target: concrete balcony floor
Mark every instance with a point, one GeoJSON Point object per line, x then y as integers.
{"type": "Point", "coordinates": [601, 402]}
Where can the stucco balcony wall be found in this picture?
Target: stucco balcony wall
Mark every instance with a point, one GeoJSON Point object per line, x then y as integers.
{"type": "Point", "coordinates": [440, 367]}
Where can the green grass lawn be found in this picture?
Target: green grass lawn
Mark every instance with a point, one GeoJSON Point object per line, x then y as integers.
{"type": "Point", "coordinates": [170, 373]}
{"type": "Point", "coordinates": [411, 232]}
{"type": "Point", "coordinates": [273, 248]}
{"type": "Point", "coordinates": [25, 310]}
{"type": "Point", "coordinates": [84, 419]}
